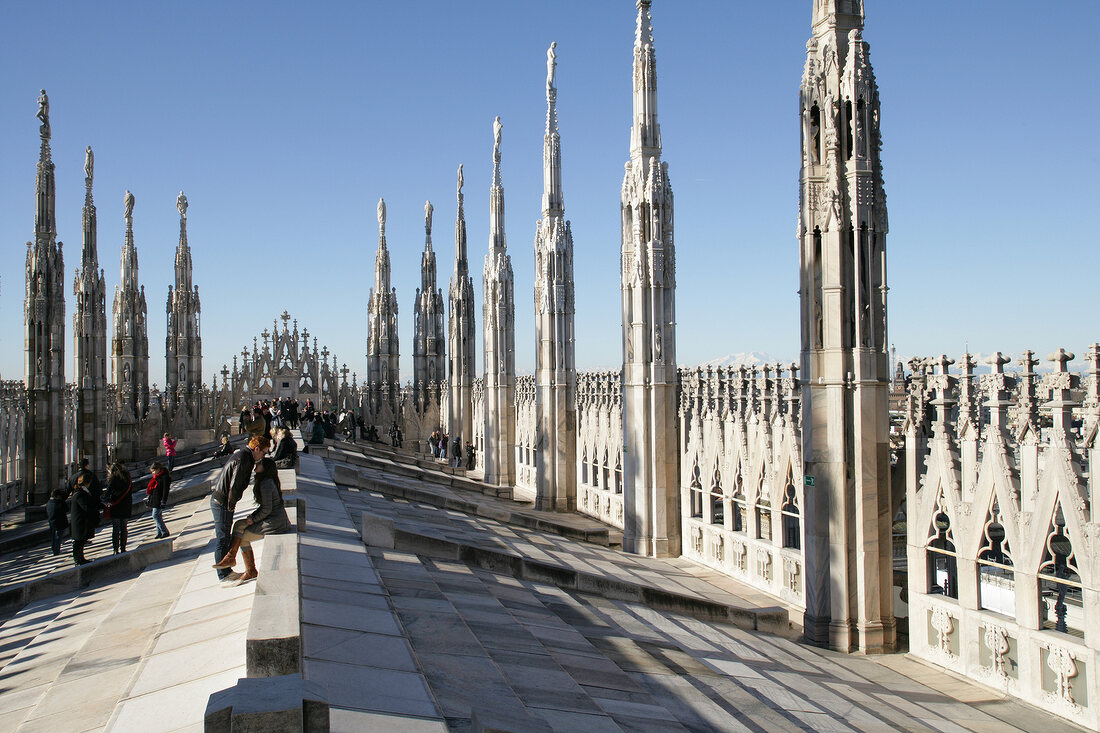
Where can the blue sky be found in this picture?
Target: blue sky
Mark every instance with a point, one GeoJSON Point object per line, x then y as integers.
{"type": "Point", "coordinates": [284, 122]}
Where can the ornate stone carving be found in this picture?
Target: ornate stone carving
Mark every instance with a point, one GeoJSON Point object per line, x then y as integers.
{"type": "Point", "coordinates": [943, 624]}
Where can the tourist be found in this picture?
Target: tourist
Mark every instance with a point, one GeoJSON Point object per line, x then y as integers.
{"type": "Point", "coordinates": [456, 452]}
{"type": "Point", "coordinates": [83, 517]}
{"type": "Point", "coordinates": [245, 420]}
{"type": "Point", "coordinates": [317, 433]}
{"type": "Point", "coordinates": [286, 449]}
{"type": "Point", "coordinates": [224, 449]}
{"type": "Point", "coordinates": [228, 489]}
{"type": "Point", "coordinates": [433, 443]}
{"type": "Point", "coordinates": [394, 431]}
{"type": "Point", "coordinates": [57, 509]}
{"type": "Point", "coordinates": [81, 469]}
{"type": "Point", "coordinates": [469, 455]}
{"type": "Point", "coordinates": [169, 451]}
{"type": "Point", "coordinates": [119, 501]}
{"type": "Point", "coordinates": [442, 446]}
{"type": "Point", "coordinates": [156, 496]}
{"type": "Point", "coordinates": [269, 518]}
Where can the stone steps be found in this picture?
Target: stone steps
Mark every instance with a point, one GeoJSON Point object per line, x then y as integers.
{"type": "Point", "coordinates": [524, 656]}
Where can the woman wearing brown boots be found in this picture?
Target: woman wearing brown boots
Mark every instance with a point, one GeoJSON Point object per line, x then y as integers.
{"type": "Point", "coordinates": [269, 518]}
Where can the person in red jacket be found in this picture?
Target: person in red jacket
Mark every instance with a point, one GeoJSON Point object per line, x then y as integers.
{"type": "Point", "coordinates": [157, 496]}
{"type": "Point", "coordinates": [170, 451]}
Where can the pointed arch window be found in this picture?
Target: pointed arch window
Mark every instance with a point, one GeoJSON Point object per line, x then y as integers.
{"type": "Point", "coordinates": [618, 474]}
{"type": "Point", "coordinates": [791, 516]}
{"type": "Point", "coordinates": [717, 500]}
{"type": "Point", "coordinates": [996, 578]}
{"type": "Point", "coordinates": [740, 508]}
{"type": "Point", "coordinates": [695, 492]}
{"type": "Point", "coordinates": [763, 516]}
{"type": "Point", "coordinates": [943, 567]}
{"type": "Point", "coordinates": [584, 466]}
{"type": "Point", "coordinates": [1061, 605]}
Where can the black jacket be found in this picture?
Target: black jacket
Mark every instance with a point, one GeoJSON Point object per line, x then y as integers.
{"type": "Point", "coordinates": [119, 498]}
{"type": "Point", "coordinates": [233, 479]}
{"type": "Point", "coordinates": [158, 497]}
{"type": "Point", "coordinates": [83, 515]}
{"type": "Point", "coordinates": [56, 512]}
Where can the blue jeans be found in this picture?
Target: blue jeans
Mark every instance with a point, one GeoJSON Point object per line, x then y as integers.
{"type": "Point", "coordinates": [56, 535]}
{"type": "Point", "coordinates": [222, 520]}
{"type": "Point", "coordinates": [171, 463]}
{"type": "Point", "coordinates": [158, 518]}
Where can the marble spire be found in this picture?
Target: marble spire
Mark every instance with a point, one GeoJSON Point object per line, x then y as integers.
{"type": "Point", "coordinates": [90, 337]}
{"type": "Point", "coordinates": [429, 331]}
{"type": "Point", "coordinates": [651, 470]}
{"type": "Point", "coordinates": [462, 335]}
{"type": "Point", "coordinates": [131, 342]}
{"type": "Point", "coordinates": [44, 320]}
{"type": "Point", "coordinates": [500, 338]}
{"type": "Point", "coordinates": [183, 344]}
{"type": "Point", "coordinates": [555, 361]}
{"type": "Point", "coordinates": [842, 228]}
{"type": "Point", "coordinates": [383, 344]}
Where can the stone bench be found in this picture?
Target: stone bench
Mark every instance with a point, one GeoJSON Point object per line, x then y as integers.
{"type": "Point", "coordinates": [284, 704]}
{"type": "Point", "coordinates": [273, 696]}
{"type": "Point", "coordinates": [273, 646]}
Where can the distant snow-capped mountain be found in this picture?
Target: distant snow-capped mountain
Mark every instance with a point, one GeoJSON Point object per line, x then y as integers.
{"type": "Point", "coordinates": [746, 358]}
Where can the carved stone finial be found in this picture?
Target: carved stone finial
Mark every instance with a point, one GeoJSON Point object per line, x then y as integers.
{"type": "Point", "coordinates": [181, 205]}
{"type": "Point", "coordinates": [1060, 357]}
{"type": "Point", "coordinates": [460, 181]}
{"type": "Point", "coordinates": [128, 201]}
{"type": "Point", "coordinates": [997, 362]}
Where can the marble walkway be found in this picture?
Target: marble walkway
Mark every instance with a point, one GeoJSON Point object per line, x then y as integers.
{"type": "Point", "coordinates": [402, 642]}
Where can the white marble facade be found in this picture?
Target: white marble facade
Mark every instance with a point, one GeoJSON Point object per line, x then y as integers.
{"type": "Point", "coordinates": [1001, 490]}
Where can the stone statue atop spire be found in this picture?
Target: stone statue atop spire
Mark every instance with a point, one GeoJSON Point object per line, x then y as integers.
{"type": "Point", "coordinates": [128, 202]}
{"type": "Point", "coordinates": [44, 114]}
{"type": "Point", "coordinates": [551, 64]}
{"type": "Point", "coordinates": [89, 165]}
{"type": "Point", "coordinates": [428, 210]}
{"type": "Point", "coordinates": [181, 206]}
{"type": "Point", "coordinates": [382, 217]}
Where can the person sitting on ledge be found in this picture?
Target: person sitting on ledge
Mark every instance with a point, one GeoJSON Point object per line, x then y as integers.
{"type": "Point", "coordinates": [224, 449]}
{"type": "Point", "coordinates": [269, 518]}
{"type": "Point", "coordinates": [286, 449]}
